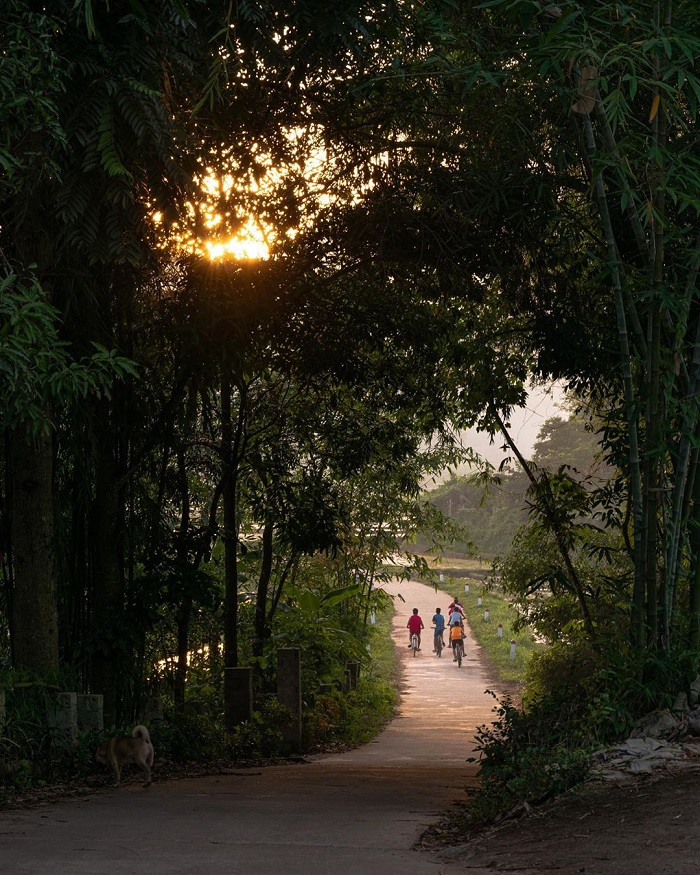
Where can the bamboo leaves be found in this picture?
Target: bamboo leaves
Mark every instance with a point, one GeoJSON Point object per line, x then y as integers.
{"type": "Point", "coordinates": [36, 370]}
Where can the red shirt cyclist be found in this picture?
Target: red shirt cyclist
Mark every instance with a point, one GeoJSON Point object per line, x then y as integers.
{"type": "Point", "coordinates": [414, 626]}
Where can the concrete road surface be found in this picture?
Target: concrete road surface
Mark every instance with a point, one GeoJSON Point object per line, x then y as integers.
{"type": "Point", "coordinates": [357, 812]}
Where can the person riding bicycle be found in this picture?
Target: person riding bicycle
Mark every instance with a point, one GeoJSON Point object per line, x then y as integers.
{"type": "Point", "coordinates": [456, 615]}
{"type": "Point", "coordinates": [456, 638]}
{"type": "Point", "coordinates": [414, 626]}
{"type": "Point", "coordinates": [439, 623]}
{"type": "Point", "coordinates": [455, 608]}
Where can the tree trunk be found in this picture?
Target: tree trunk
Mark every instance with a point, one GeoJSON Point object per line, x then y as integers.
{"type": "Point", "coordinates": [184, 611]}
{"type": "Point", "coordinates": [34, 622]}
{"type": "Point", "coordinates": [694, 595]}
{"type": "Point", "coordinates": [182, 616]}
{"type": "Point", "coordinates": [624, 307]}
{"type": "Point", "coordinates": [548, 513]}
{"type": "Point", "coordinates": [263, 587]}
{"type": "Point", "coordinates": [232, 447]}
{"type": "Point", "coordinates": [655, 624]}
{"type": "Point", "coordinates": [108, 590]}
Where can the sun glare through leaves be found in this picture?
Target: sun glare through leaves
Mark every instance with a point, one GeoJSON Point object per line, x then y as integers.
{"type": "Point", "coordinates": [249, 243]}
{"type": "Point", "coordinates": [249, 212]}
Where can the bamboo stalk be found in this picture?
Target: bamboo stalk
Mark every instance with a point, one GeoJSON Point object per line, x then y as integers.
{"type": "Point", "coordinates": [637, 613]}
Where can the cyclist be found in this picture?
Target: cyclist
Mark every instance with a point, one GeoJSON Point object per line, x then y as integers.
{"type": "Point", "coordinates": [456, 639]}
{"type": "Point", "coordinates": [456, 615]}
{"type": "Point", "coordinates": [439, 623]}
{"type": "Point", "coordinates": [414, 626]}
{"type": "Point", "coordinates": [455, 607]}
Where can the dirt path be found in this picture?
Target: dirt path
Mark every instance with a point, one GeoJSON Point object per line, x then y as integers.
{"type": "Point", "coordinates": [646, 828]}
{"type": "Point", "coordinates": [345, 814]}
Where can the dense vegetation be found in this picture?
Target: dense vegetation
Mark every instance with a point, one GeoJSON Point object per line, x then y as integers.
{"type": "Point", "coordinates": [202, 458]}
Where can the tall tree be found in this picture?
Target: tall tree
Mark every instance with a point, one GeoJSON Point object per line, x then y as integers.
{"type": "Point", "coordinates": [91, 150]}
{"type": "Point", "coordinates": [613, 91]}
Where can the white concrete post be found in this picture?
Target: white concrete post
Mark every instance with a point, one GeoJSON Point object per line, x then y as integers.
{"type": "Point", "coordinates": [63, 717]}
{"type": "Point", "coordinates": [89, 712]}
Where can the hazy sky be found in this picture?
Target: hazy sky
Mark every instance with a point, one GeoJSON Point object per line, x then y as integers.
{"type": "Point", "coordinates": [525, 424]}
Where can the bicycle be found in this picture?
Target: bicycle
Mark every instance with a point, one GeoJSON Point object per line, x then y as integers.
{"type": "Point", "coordinates": [414, 643]}
{"type": "Point", "coordinates": [438, 643]}
{"type": "Point", "coordinates": [459, 652]}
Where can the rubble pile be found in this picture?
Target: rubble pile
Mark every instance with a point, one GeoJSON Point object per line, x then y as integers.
{"type": "Point", "coordinates": [666, 740]}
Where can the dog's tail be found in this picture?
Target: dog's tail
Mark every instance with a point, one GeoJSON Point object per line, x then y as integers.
{"type": "Point", "coordinates": [140, 732]}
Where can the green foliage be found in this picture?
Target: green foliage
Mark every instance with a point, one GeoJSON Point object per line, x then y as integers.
{"type": "Point", "coordinates": [533, 578]}
{"type": "Point", "coordinates": [36, 368]}
{"type": "Point", "coordinates": [191, 737]}
{"type": "Point", "coordinates": [524, 761]}
{"type": "Point", "coordinates": [561, 667]}
{"type": "Point", "coordinates": [349, 719]}
{"type": "Point", "coordinates": [578, 697]}
{"type": "Point", "coordinates": [424, 291]}
{"type": "Point", "coordinates": [30, 755]}
{"type": "Point", "coordinates": [32, 81]}
{"type": "Point", "coordinates": [333, 717]}
{"type": "Point", "coordinates": [601, 689]}
{"type": "Point", "coordinates": [492, 507]}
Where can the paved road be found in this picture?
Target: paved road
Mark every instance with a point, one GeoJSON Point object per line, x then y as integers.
{"type": "Point", "coordinates": [345, 814]}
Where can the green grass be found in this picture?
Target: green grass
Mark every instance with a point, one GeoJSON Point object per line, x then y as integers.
{"type": "Point", "coordinates": [383, 665]}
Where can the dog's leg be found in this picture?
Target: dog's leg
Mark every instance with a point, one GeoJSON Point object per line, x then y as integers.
{"type": "Point", "coordinates": [145, 767]}
{"type": "Point", "coordinates": [149, 764]}
{"type": "Point", "coordinates": [114, 762]}
{"type": "Point", "coordinates": [144, 760]}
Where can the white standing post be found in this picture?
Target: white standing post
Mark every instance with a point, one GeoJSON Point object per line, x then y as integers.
{"type": "Point", "coordinates": [466, 587]}
{"type": "Point", "coordinates": [500, 630]}
{"type": "Point", "coordinates": [487, 615]}
{"type": "Point", "coordinates": [512, 648]}
{"type": "Point", "coordinates": [478, 601]}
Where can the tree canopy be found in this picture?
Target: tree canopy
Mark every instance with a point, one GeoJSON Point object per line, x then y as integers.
{"type": "Point", "coordinates": [448, 201]}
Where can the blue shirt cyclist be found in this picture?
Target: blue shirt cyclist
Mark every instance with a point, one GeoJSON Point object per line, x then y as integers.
{"type": "Point", "coordinates": [456, 613]}
{"type": "Point", "coordinates": [439, 622]}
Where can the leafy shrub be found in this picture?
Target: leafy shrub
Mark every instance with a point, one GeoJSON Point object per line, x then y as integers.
{"type": "Point", "coordinates": [189, 738]}
{"type": "Point", "coordinates": [259, 738]}
{"type": "Point", "coordinates": [525, 760]}
{"type": "Point", "coordinates": [30, 755]}
{"type": "Point", "coordinates": [578, 698]}
{"type": "Point", "coordinates": [203, 738]}
{"type": "Point", "coordinates": [353, 718]}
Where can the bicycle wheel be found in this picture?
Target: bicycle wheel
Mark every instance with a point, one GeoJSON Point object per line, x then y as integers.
{"type": "Point", "coordinates": [438, 645]}
{"type": "Point", "coordinates": [459, 650]}
{"type": "Point", "coordinates": [414, 644]}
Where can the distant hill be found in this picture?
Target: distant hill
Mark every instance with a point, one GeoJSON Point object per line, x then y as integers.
{"type": "Point", "coordinates": [491, 518]}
